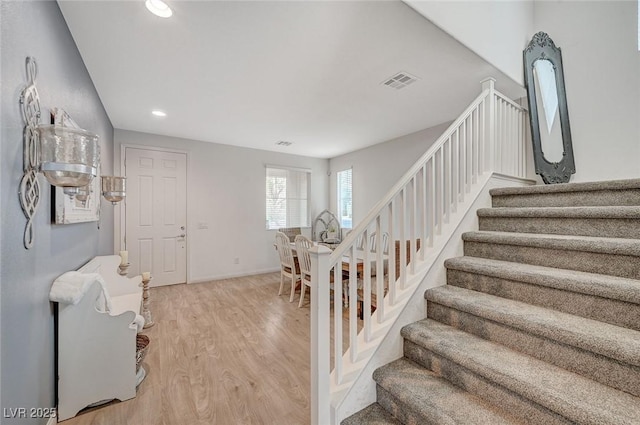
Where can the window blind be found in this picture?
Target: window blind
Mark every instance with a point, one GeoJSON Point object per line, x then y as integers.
{"type": "Point", "coordinates": [287, 200]}
{"type": "Point", "coordinates": [345, 201]}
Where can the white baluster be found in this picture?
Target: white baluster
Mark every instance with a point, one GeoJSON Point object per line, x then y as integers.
{"type": "Point", "coordinates": [412, 225]}
{"type": "Point", "coordinates": [463, 160]}
{"type": "Point", "coordinates": [490, 120]}
{"type": "Point", "coordinates": [392, 257]}
{"type": "Point", "coordinates": [379, 271]}
{"type": "Point", "coordinates": [338, 312]}
{"type": "Point", "coordinates": [446, 172]}
{"type": "Point", "coordinates": [353, 305]}
{"type": "Point", "coordinates": [401, 232]}
{"type": "Point", "coordinates": [366, 286]}
{"type": "Point", "coordinates": [424, 213]}
{"type": "Point", "coordinates": [431, 201]}
{"type": "Point", "coordinates": [439, 190]}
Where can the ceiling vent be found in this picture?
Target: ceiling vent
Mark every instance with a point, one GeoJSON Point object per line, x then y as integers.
{"type": "Point", "coordinates": [284, 143]}
{"type": "Point", "coordinates": [400, 80]}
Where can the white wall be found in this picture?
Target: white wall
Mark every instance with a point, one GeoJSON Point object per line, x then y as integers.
{"type": "Point", "coordinates": [497, 31]}
{"type": "Point", "coordinates": [599, 42]}
{"type": "Point", "coordinates": [226, 190]}
{"type": "Point", "coordinates": [377, 168]}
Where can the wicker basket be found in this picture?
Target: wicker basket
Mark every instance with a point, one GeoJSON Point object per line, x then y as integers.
{"type": "Point", "coordinates": [142, 346]}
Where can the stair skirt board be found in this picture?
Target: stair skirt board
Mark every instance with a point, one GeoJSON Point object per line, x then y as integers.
{"type": "Point", "coordinates": [539, 322]}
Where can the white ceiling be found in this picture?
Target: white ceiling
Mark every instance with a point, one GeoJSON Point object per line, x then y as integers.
{"type": "Point", "coordinates": [254, 73]}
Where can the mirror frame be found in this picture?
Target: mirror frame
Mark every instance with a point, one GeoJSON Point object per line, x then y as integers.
{"type": "Point", "coordinates": [541, 46]}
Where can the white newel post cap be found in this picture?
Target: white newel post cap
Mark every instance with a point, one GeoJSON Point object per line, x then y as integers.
{"type": "Point", "coordinates": [488, 83]}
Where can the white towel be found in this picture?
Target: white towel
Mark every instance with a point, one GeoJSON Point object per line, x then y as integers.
{"type": "Point", "coordinates": [71, 287]}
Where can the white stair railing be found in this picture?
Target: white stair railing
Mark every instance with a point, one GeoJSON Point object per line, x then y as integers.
{"type": "Point", "coordinates": [488, 137]}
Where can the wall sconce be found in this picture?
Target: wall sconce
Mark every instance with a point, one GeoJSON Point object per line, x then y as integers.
{"type": "Point", "coordinates": [114, 188]}
{"type": "Point", "coordinates": [83, 193]}
{"type": "Point", "coordinates": [69, 157]}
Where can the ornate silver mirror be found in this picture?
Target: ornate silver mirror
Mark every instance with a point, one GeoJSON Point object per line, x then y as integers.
{"type": "Point", "coordinates": [548, 114]}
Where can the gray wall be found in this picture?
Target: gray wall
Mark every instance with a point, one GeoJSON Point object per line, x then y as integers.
{"type": "Point", "coordinates": [38, 29]}
{"type": "Point", "coordinates": [599, 42]}
{"type": "Point", "coordinates": [377, 168]}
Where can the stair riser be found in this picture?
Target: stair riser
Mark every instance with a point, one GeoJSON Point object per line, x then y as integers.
{"type": "Point", "coordinates": [594, 366]}
{"type": "Point", "coordinates": [372, 415]}
{"type": "Point", "coordinates": [606, 310]}
{"type": "Point", "coordinates": [524, 409]}
{"type": "Point", "coordinates": [627, 197]}
{"type": "Point", "coordinates": [600, 227]}
{"type": "Point", "coordinates": [404, 412]}
{"type": "Point", "coordinates": [593, 262]}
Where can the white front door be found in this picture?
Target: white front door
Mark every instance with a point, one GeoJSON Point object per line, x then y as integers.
{"type": "Point", "coordinates": [156, 214]}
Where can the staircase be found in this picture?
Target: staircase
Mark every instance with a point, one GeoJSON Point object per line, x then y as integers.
{"type": "Point", "coordinates": [539, 322]}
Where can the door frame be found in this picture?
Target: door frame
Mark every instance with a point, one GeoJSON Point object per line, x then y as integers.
{"type": "Point", "coordinates": [119, 215]}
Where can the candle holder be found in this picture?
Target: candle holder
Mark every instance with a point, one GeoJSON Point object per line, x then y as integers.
{"type": "Point", "coordinates": [123, 269]}
{"type": "Point", "coordinates": [146, 313]}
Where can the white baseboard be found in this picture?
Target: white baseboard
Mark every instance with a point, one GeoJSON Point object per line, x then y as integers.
{"type": "Point", "coordinates": [232, 275]}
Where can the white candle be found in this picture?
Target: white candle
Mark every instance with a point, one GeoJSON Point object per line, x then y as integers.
{"type": "Point", "coordinates": [146, 276]}
{"type": "Point", "coordinates": [124, 258]}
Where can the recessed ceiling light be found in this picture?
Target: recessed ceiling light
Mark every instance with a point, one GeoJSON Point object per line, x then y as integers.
{"type": "Point", "coordinates": [158, 8]}
{"type": "Point", "coordinates": [158, 113]}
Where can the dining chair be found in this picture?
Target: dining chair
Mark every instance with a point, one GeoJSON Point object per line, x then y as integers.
{"type": "Point", "coordinates": [304, 259]}
{"type": "Point", "coordinates": [288, 266]}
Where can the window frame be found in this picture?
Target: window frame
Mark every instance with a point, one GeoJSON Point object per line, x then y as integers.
{"type": "Point", "coordinates": [339, 198]}
{"type": "Point", "coordinates": [304, 221]}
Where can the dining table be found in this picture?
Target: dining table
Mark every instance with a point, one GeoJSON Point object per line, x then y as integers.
{"type": "Point", "coordinates": [346, 269]}
{"type": "Point", "coordinates": [346, 260]}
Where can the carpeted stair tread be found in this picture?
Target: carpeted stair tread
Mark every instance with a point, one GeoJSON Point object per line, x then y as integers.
{"type": "Point", "coordinates": [595, 212]}
{"type": "Point", "coordinates": [616, 246]}
{"type": "Point", "coordinates": [575, 397]}
{"type": "Point", "coordinates": [605, 286]}
{"type": "Point", "coordinates": [568, 187]}
{"type": "Point", "coordinates": [374, 414]}
{"type": "Point", "coordinates": [434, 399]}
{"type": "Point", "coordinates": [611, 193]}
{"type": "Point", "coordinates": [602, 338]}
{"type": "Point", "coordinates": [596, 221]}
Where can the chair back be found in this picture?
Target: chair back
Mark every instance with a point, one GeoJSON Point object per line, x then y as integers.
{"type": "Point", "coordinates": [304, 258]}
{"type": "Point", "coordinates": [284, 250]}
{"type": "Point", "coordinates": [373, 241]}
{"type": "Point", "coordinates": [291, 232]}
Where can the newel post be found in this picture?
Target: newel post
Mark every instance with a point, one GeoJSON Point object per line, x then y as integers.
{"type": "Point", "coordinates": [320, 336]}
{"type": "Point", "coordinates": [489, 84]}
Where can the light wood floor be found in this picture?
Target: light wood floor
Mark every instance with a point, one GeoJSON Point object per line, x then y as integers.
{"type": "Point", "coordinates": [226, 352]}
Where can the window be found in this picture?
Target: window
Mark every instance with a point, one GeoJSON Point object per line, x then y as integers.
{"type": "Point", "coordinates": [287, 197]}
{"type": "Point", "coordinates": [345, 203]}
